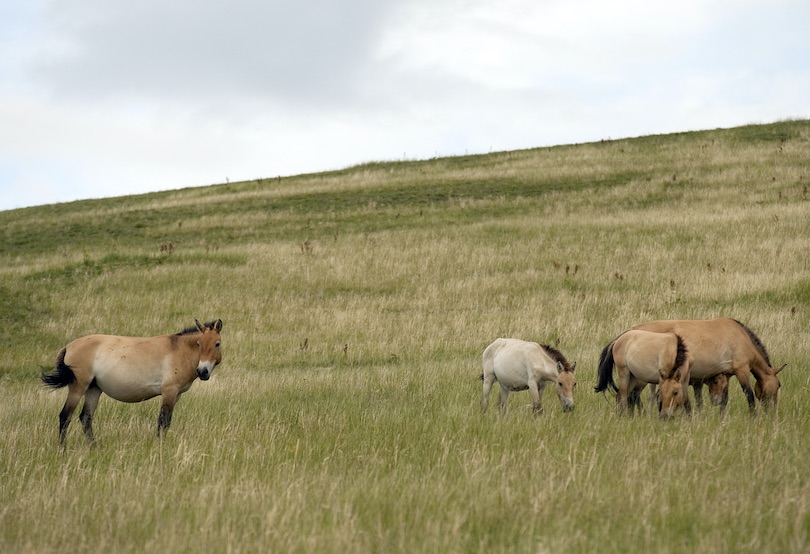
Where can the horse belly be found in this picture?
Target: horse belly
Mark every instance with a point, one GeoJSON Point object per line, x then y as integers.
{"type": "Point", "coordinates": [645, 368]}
{"type": "Point", "coordinates": [511, 383]}
{"type": "Point", "coordinates": [705, 368]}
{"type": "Point", "coordinates": [645, 373]}
{"type": "Point", "coordinates": [127, 382]}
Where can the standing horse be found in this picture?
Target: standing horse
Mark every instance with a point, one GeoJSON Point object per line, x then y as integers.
{"type": "Point", "coordinates": [726, 346]}
{"type": "Point", "coordinates": [133, 369]}
{"type": "Point", "coordinates": [518, 365]}
{"type": "Point", "coordinates": [641, 358]}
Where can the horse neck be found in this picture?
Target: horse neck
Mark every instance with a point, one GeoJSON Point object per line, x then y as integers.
{"type": "Point", "coordinates": [188, 347]}
{"type": "Point", "coordinates": [549, 366]}
{"type": "Point", "coordinates": [760, 367]}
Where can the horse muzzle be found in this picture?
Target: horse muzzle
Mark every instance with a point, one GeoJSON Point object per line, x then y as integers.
{"type": "Point", "coordinates": [204, 370]}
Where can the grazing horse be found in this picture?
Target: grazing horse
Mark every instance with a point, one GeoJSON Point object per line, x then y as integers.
{"type": "Point", "coordinates": [718, 391]}
{"type": "Point", "coordinates": [726, 346]}
{"type": "Point", "coordinates": [641, 358]}
{"type": "Point", "coordinates": [133, 369]}
{"type": "Point", "coordinates": [519, 365]}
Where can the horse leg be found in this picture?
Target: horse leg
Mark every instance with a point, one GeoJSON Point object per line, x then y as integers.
{"type": "Point", "coordinates": [724, 401]}
{"type": "Point", "coordinates": [698, 387]}
{"type": "Point", "coordinates": [489, 379]}
{"type": "Point", "coordinates": [745, 382]}
{"type": "Point", "coordinates": [169, 397]}
{"type": "Point", "coordinates": [75, 393]}
{"type": "Point", "coordinates": [634, 396]}
{"type": "Point", "coordinates": [91, 398]}
{"type": "Point", "coordinates": [536, 392]}
{"type": "Point", "coordinates": [652, 402]}
{"type": "Point", "coordinates": [504, 397]}
{"type": "Point", "coordinates": [624, 389]}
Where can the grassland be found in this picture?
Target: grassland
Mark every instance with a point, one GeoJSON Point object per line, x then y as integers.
{"type": "Point", "coordinates": [356, 304]}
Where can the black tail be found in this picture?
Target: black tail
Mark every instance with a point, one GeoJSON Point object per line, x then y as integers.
{"type": "Point", "coordinates": [62, 375]}
{"type": "Point", "coordinates": [605, 371]}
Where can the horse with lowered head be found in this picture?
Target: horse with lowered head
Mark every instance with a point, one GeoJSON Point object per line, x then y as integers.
{"type": "Point", "coordinates": [642, 358]}
{"type": "Point", "coordinates": [518, 365]}
{"type": "Point", "coordinates": [726, 346]}
{"type": "Point", "coordinates": [133, 369]}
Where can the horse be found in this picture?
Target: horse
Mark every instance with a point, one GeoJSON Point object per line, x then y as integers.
{"type": "Point", "coordinates": [518, 365]}
{"type": "Point", "coordinates": [718, 391]}
{"type": "Point", "coordinates": [641, 358]}
{"type": "Point", "coordinates": [726, 346]}
{"type": "Point", "coordinates": [133, 369]}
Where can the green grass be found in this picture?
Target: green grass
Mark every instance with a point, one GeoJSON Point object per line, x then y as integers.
{"type": "Point", "coordinates": [356, 304]}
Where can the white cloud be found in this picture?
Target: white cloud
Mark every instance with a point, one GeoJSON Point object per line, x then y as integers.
{"type": "Point", "coordinates": [100, 98]}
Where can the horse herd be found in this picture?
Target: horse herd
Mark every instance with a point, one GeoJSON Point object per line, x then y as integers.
{"type": "Point", "coordinates": [669, 354]}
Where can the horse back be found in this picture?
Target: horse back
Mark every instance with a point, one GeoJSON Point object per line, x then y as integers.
{"type": "Point", "coordinates": [515, 361]}
{"type": "Point", "coordinates": [646, 353]}
{"type": "Point", "coordinates": [716, 345]}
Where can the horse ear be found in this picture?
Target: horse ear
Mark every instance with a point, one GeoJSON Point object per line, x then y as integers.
{"type": "Point", "coordinates": [218, 326]}
{"type": "Point", "coordinates": [560, 367]}
{"type": "Point", "coordinates": [677, 374]}
{"type": "Point", "coordinates": [780, 369]}
{"type": "Point", "coordinates": [200, 326]}
{"type": "Point", "coordinates": [573, 367]}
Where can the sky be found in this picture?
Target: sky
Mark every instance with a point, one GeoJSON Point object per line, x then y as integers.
{"type": "Point", "coordinates": [101, 98]}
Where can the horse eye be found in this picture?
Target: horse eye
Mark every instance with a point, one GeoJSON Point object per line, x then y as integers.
{"type": "Point", "coordinates": [217, 345]}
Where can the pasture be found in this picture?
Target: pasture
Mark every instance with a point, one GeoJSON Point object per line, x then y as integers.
{"type": "Point", "coordinates": [345, 415]}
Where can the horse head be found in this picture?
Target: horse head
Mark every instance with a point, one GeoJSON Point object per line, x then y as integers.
{"type": "Point", "coordinates": [209, 343]}
{"type": "Point", "coordinates": [671, 395]}
{"type": "Point", "coordinates": [566, 385]}
{"type": "Point", "coordinates": [767, 387]}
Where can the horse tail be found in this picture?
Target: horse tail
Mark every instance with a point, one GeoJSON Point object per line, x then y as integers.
{"type": "Point", "coordinates": [62, 375]}
{"type": "Point", "coordinates": [605, 371]}
{"type": "Point", "coordinates": [680, 354]}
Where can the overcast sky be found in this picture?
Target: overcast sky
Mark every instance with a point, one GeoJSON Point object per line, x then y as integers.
{"type": "Point", "coordinates": [107, 98]}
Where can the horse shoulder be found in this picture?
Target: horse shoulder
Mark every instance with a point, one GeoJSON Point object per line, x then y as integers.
{"type": "Point", "coordinates": [543, 365]}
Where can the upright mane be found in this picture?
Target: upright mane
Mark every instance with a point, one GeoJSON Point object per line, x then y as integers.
{"type": "Point", "coordinates": [758, 343]}
{"type": "Point", "coordinates": [192, 329]}
{"type": "Point", "coordinates": [557, 355]}
{"type": "Point", "coordinates": [680, 356]}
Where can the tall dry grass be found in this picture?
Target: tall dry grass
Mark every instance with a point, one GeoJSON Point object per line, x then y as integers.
{"type": "Point", "coordinates": [345, 415]}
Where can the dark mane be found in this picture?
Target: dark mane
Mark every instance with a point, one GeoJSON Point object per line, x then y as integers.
{"type": "Point", "coordinates": [557, 355]}
{"type": "Point", "coordinates": [680, 356]}
{"type": "Point", "coordinates": [192, 329]}
{"type": "Point", "coordinates": [758, 343]}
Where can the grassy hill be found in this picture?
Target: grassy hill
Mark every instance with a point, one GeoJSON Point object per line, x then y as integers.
{"type": "Point", "coordinates": [356, 305]}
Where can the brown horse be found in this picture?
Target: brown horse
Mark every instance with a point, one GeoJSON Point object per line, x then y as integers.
{"type": "Point", "coordinates": [718, 391]}
{"type": "Point", "coordinates": [133, 369]}
{"type": "Point", "coordinates": [726, 346]}
{"type": "Point", "coordinates": [641, 358]}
